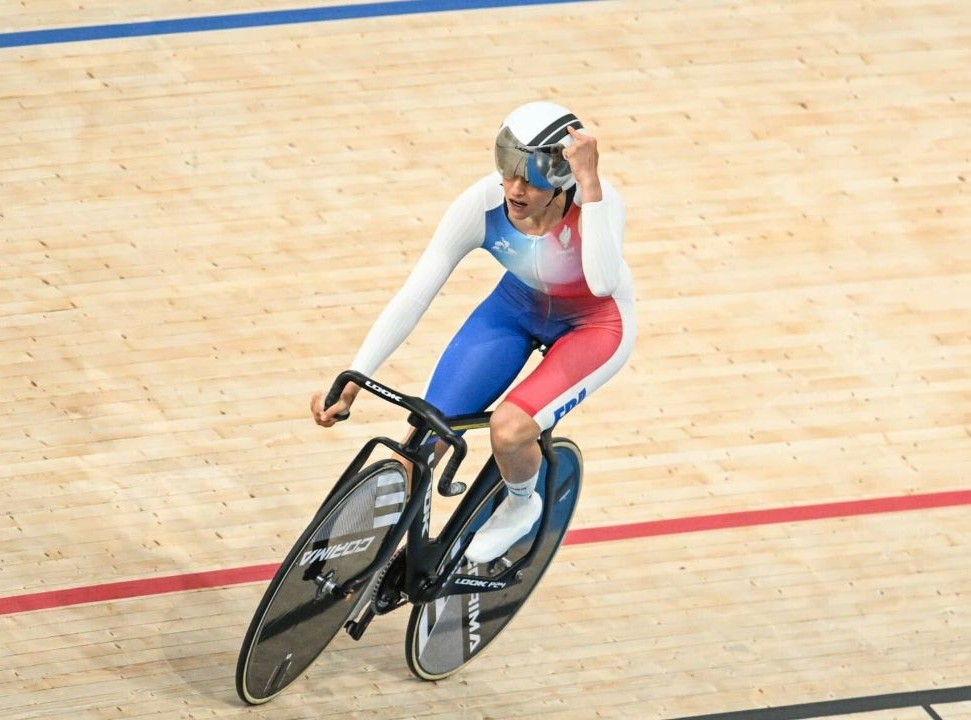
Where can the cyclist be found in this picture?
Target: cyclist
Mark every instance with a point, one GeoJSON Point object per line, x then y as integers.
{"type": "Point", "coordinates": [557, 227]}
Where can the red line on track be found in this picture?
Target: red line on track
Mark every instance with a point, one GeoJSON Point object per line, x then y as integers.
{"type": "Point", "coordinates": [260, 573]}
{"type": "Point", "coordinates": [774, 516]}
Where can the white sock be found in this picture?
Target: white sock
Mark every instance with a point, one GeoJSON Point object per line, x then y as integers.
{"type": "Point", "coordinates": [519, 493]}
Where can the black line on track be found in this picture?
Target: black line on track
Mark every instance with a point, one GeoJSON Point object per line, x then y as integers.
{"type": "Point", "coordinates": [849, 706]}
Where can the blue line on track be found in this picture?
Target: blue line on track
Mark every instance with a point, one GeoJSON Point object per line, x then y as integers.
{"type": "Point", "coordinates": [253, 19]}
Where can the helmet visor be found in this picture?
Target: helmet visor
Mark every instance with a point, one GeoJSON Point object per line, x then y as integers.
{"type": "Point", "coordinates": [540, 165]}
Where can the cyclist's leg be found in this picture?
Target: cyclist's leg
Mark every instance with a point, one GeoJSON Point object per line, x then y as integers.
{"type": "Point", "coordinates": [484, 357]}
{"type": "Point", "coordinates": [519, 464]}
{"type": "Point", "coordinates": [513, 433]}
{"type": "Point", "coordinates": [481, 360]}
{"type": "Point", "coordinates": [581, 359]}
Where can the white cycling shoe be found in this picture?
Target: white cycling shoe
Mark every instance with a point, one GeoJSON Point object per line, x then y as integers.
{"type": "Point", "coordinates": [508, 523]}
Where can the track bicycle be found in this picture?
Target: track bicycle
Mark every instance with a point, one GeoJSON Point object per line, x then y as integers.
{"type": "Point", "coordinates": [369, 551]}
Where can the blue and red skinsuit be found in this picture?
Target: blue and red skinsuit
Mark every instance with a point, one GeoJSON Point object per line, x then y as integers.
{"type": "Point", "coordinates": [571, 293]}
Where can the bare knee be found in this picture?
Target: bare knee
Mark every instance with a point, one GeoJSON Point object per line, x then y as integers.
{"type": "Point", "coordinates": [511, 429]}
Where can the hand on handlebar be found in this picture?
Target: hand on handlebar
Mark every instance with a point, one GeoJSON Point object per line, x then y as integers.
{"type": "Point", "coordinates": [328, 417]}
{"type": "Point", "coordinates": [423, 415]}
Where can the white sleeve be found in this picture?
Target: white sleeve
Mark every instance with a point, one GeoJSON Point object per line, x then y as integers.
{"type": "Point", "coordinates": [460, 231]}
{"type": "Point", "coordinates": [602, 229]}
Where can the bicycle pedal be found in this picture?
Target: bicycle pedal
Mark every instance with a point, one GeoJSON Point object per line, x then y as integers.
{"type": "Point", "coordinates": [493, 567]}
{"type": "Point", "coordinates": [498, 565]}
{"type": "Point", "coordinates": [356, 628]}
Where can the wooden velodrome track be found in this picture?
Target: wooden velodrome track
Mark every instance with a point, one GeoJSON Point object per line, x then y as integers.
{"type": "Point", "coordinates": [199, 223]}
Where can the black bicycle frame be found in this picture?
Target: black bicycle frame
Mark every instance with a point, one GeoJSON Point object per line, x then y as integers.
{"type": "Point", "coordinates": [421, 579]}
{"type": "Point", "coordinates": [428, 586]}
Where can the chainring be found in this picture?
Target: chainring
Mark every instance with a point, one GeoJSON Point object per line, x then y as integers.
{"type": "Point", "coordinates": [387, 593]}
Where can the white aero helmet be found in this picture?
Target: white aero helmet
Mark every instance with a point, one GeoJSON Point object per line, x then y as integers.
{"type": "Point", "coordinates": [530, 144]}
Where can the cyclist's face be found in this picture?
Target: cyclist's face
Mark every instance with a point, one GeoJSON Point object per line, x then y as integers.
{"type": "Point", "coordinates": [524, 200]}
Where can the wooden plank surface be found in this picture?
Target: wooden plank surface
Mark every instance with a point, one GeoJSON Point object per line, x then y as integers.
{"type": "Point", "coordinates": [199, 228]}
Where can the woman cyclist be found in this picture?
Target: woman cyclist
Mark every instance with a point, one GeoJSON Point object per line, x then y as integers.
{"type": "Point", "coordinates": [557, 227]}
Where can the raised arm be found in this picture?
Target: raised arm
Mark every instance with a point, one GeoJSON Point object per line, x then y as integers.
{"type": "Point", "coordinates": [602, 217]}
